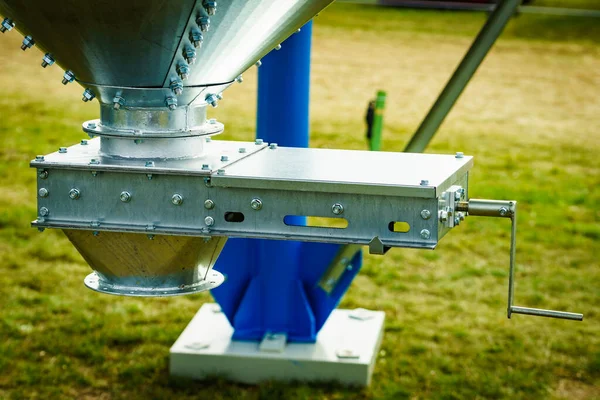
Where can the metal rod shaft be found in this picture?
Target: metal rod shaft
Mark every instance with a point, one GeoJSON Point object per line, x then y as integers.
{"type": "Point", "coordinates": [463, 74]}
{"type": "Point", "coordinates": [513, 253]}
{"type": "Point", "coordinates": [547, 313]}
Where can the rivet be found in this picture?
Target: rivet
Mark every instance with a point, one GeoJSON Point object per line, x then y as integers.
{"type": "Point", "coordinates": [210, 6]}
{"type": "Point", "coordinates": [74, 194]}
{"type": "Point", "coordinates": [337, 209]}
{"type": "Point", "coordinates": [171, 103]}
{"type": "Point", "coordinates": [68, 77]}
{"type": "Point", "coordinates": [209, 204]}
{"type": "Point", "coordinates": [212, 100]}
{"type": "Point", "coordinates": [47, 60]}
{"type": "Point", "coordinates": [6, 25]}
{"type": "Point", "coordinates": [258, 63]}
{"type": "Point", "coordinates": [196, 38]}
{"type": "Point", "coordinates": [203, 22]}
{"type": "Point", "coordinates": [28, 43]}
{"type": "Point", "coordinates": [189, 53]}
{"type": "Point", "coordinates": [177, 87]}
{"type": "Point", "coordinates": [125, 197]}
{"type": "Point", "coordinates": [43, 192]}
{"type": "Point", "coordinates": [183, 71]}
{"type": "Point", "coordinates": [88, 95]}
{"type": "Point", "coordinates": [256, 204]}
{"type": "Point", "coordinates": [177, 199]}
{"type": "Point", "coordinates": [118, 102]}
{"type": "Point", "coordinates": [278, 47]}
{"type": "Point", "coordinates": [209, 221]}
{"type": "Point", "coordinates": [425, 234]}
{"type": "Point", "coordinates": [239, 79]}
{"type": "Point", "coordinates": [425, 214]}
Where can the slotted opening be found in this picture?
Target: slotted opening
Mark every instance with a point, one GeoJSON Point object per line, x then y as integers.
{"type": "Point", "coordinates": [399, 226]}
{"type": "Point", "coordinates": [315, 222]}
{"type": "Point", "coordinates": [233, 216]}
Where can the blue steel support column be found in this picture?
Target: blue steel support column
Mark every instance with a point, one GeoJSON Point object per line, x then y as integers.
{"type": "Point", "coordinates": [272, 286]}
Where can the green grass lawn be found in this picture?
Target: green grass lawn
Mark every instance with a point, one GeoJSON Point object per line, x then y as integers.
{"type": "Point", "coordinates": [530, 117]}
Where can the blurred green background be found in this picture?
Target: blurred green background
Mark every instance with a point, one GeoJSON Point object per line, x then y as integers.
{"type": "Point", "coordinates": [530, 117]}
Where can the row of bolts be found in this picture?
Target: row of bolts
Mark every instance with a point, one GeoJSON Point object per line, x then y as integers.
{"type": "Point", "coordinates": [176, 85]}
{"type": "Point", "coordinates": [177, 199]}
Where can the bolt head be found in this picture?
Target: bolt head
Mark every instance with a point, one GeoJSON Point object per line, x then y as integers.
{"type": "Point", "coordinates": [337, 209]}
{"type": "Point", "coordinates": [62, 150]}
{"type": "Point", "coordinates": [258, 141]}
{"type": "Point", "coordinates": [220, 172]}
{"type": "Point", "coordinates": [424, 182]}
{"type": "Point", "coordinates": [503, 211]}
{"type": "Point", "coordinates": [256, 204]}
{"type": "Point", "coordinates": [209, 204]}
{"type": "Point", "coordinates": [44, 212]}
{"type": "Point", "coordinates": [43, 192]}
{"type": "Point", "coordinates": [209, 221]}
{"type": "Point", "coordinates": [84, 142]}
{"type": "Point", "coordinates": [425, 214]}
{"type": "Point", "coordinates": [177, 199]}
{"type": "Point", "coordinates": [224, 158]}
{"type": "Point", "coordinates": [43, 174]}
{"type": "Point", "coordinates": [242, 150]}
{"type": "Point", "coordinates": [459, 154]}
{"type": "Point", "coordinates": [149, 164]}
{"type": "Point", "coordinates": [74, 194]}
{"type": "Point", "coordinates": [425, 234]}
{"type": "Point", "coordinates": [273, 146]}
{"type": "Point", "coordinates": [125, 197]}
{"type": "Point", "coordinates": [39, 158]}
{"type": "Point", "coordinates": [205, 166]}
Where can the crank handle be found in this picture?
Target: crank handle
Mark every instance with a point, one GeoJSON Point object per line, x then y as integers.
{"type": "Point", "coordinates": [508, 209]}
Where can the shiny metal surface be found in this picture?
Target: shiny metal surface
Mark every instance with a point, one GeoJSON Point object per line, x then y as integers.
{"type": "Point", "coordinates": [347, 171]}
{"type": "Point", "coordinates": [139, 265]}
{"type": "Point", "coordinates": [140, 43]}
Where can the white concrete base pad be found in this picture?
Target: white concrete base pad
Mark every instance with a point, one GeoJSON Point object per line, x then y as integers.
{"type": "Point", "coordinates": [345, 351]}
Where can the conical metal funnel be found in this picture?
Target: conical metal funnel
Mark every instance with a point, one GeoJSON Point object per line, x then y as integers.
{"type": "Point", "coordinates": [118, 44]}
{"type": "Point", "coordinates": [131, 264]}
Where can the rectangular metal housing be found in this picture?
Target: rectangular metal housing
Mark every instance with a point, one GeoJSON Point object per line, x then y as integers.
{"type": "Point", "coordinates": [375, 189]}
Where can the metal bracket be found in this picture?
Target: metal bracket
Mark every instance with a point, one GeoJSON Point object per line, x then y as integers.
{"type": "Point", "coordinates": [508, 209]}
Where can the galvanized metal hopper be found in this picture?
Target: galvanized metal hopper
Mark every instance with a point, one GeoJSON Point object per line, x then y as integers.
{"type": "Point", "coordinates": [153, 65]}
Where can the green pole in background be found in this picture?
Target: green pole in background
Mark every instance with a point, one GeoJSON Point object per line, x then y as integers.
{"type": "Point", "coordinates": [376, 130]}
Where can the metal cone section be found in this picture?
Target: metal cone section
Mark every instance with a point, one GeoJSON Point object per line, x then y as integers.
{"type": "Point", "coordinates": [135, 265]}
{"type": "Point", "coordinates": [152, 43]}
